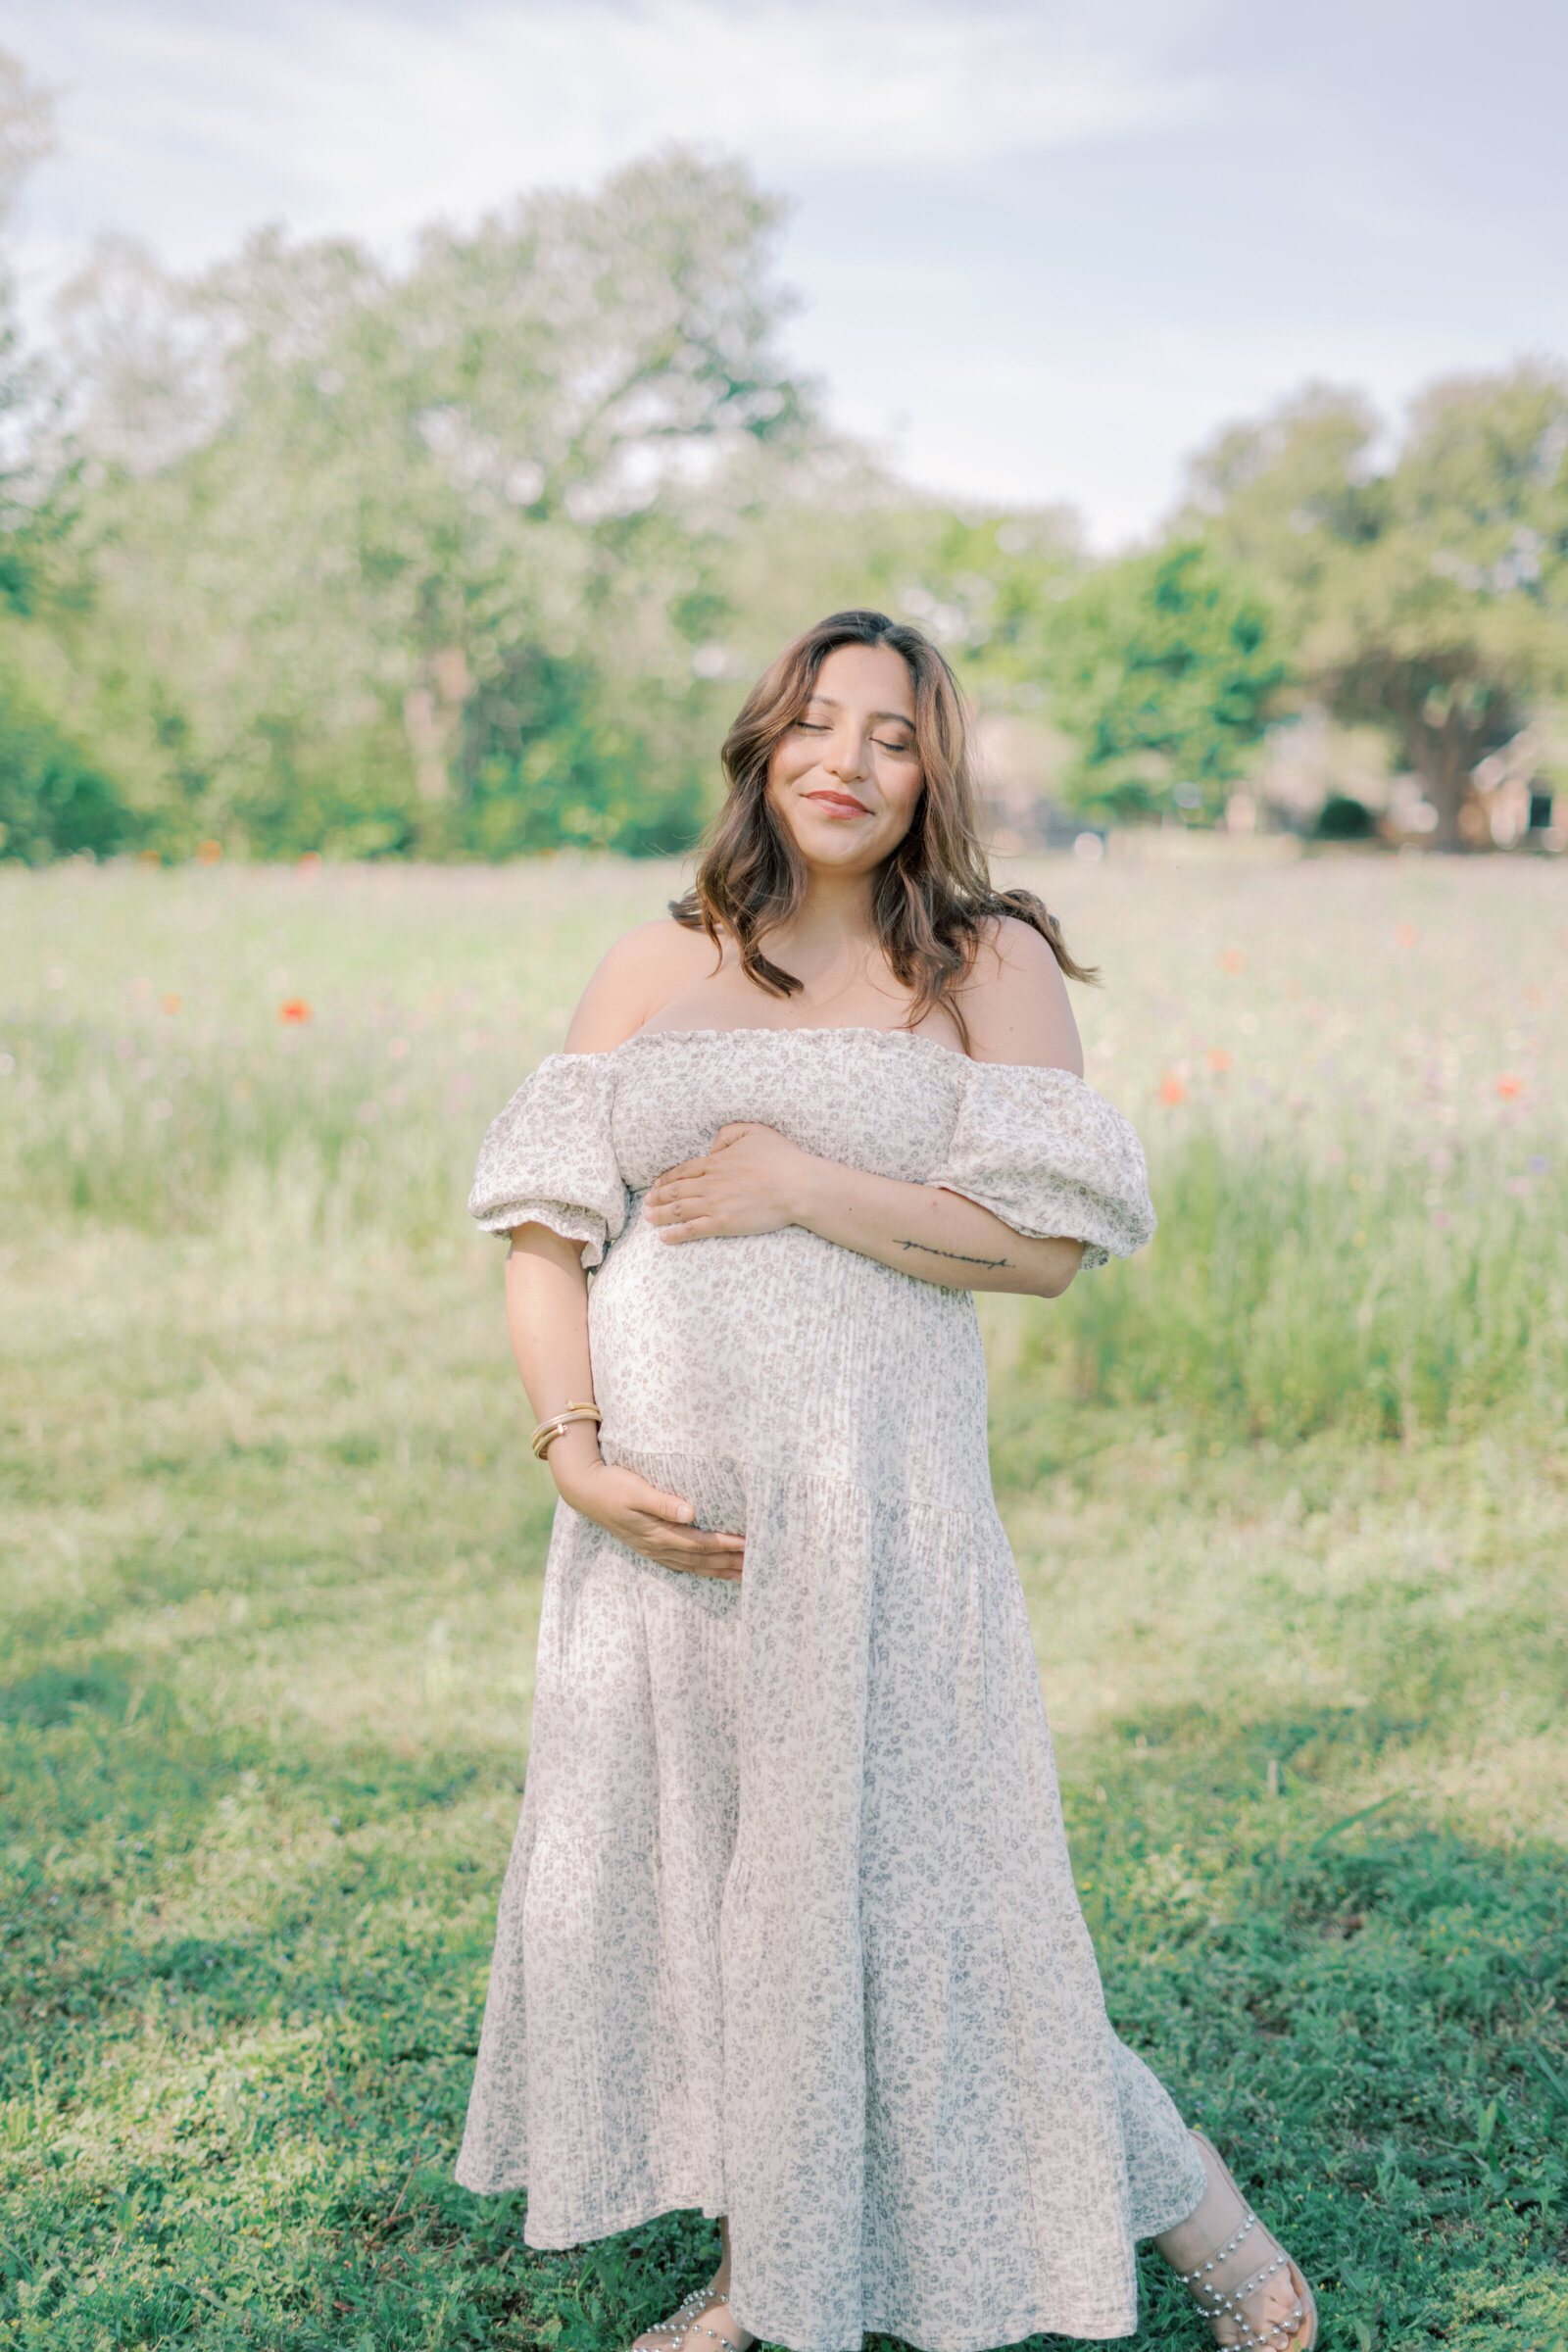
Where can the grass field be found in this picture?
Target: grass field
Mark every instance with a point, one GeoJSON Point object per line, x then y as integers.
{"type": "Point", "coordinates": [1290, 1496]}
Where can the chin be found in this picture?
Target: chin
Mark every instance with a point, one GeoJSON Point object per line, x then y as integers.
{"type": "Point", "coordinates": [834, 850]}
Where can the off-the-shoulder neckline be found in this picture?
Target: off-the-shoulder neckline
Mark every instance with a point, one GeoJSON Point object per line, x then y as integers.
{"type": "Point", "coordinates": [891, 1037]}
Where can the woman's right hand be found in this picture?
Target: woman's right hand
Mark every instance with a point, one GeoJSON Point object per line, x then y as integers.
{"type": "Point", "coordinates": [636, 1513]}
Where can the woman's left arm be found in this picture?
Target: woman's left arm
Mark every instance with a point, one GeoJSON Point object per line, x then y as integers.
{"type": "Point", "coordinates": [755, 1181]}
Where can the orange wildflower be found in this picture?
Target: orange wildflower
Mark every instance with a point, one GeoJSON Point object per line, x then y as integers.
{"type": "Point", "coordinates": [209, 853]}
{"type": "Point", "coordinates": [1507, 1085]}
{"type": "Point", "coordinates": [293, 1009]}
{"type": "Point", "coordinates": [1233, 960]}
{"type": "Point", "coordinates": [1171, 1089]}
{"type": "Point", "coordinates": [169, 1004]}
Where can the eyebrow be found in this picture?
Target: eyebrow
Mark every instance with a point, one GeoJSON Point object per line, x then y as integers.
{"type": "Point", "coordinates": [828, 704]}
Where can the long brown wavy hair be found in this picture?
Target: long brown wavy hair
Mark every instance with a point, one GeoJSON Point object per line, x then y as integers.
{"type": "Point", "coordinates": [933, 898]}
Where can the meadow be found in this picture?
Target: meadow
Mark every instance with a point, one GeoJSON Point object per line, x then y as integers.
{"type": "Point", "coordinates": [1288, 1496]}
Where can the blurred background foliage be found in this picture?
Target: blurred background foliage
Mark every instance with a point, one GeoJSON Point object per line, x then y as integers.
{"type": "Point", "coordinates": [469, 557]}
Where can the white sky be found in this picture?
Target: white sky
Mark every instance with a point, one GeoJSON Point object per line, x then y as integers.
{"type": "Point", "coordinates": [1045, 247]}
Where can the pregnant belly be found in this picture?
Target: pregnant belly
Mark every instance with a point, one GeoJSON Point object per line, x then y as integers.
{"type": "Point", "coordinates": [783, 1349]}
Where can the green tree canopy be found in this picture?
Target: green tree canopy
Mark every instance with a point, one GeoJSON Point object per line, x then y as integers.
{"type": "Point", "coordinates": [376, 550]}
{"type": "Point", "coordinates": [1429, 596]}
{"type": "Point", "coordinates": [1163, 667]}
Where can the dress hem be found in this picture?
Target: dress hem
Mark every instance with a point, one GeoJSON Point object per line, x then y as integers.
{"type": "Point", "coordinates": [1012, 2329]}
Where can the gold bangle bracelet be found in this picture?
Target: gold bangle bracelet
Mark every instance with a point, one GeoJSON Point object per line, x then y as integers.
{"type": "Point", "coordinates": [545, 1435]}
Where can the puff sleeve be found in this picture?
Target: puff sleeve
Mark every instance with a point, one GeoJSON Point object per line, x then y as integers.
{"type": "Point", "coordinates": [1047, 1155]}
{"type": "Point", "coordinates": [549, 1158]}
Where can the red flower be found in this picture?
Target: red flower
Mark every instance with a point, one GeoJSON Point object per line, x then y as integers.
{"type": "Point", "coordinates": [293, 1009]}
{"type": "Point", "coordinates": [1171, 1089]}
{"type": "Point", "coordinates": [1508, 1086]}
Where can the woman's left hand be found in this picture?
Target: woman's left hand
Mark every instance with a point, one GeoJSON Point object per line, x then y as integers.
{"type": "Point", "coordinates": [753, 1181]}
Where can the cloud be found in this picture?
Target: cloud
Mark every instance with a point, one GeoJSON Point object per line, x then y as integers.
{"type": "Point", "coordinates": [369, 118]}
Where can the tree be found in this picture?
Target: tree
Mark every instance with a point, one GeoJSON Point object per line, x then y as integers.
{"type": "Point", "coordinates": [1430, 597]}
{"type": "Point", "coordinates": [36, 483]}
{"type": "Point", "coordinates": [1163, 666]}
{"type": "Point", "coordinates": [356, 525]}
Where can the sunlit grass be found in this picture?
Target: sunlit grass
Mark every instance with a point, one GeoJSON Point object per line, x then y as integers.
{"type": "Point", "coordinates": [1291, 1508]}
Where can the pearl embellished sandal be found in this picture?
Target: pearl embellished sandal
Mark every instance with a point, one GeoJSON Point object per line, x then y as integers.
{"type": "Point", "coordinates": [1220, 2288]}
{"type": "Point", "coordinates": [685, 2322]}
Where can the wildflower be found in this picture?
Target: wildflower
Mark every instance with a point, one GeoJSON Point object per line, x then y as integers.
{"type": "Point", "coordinates": [1171, 1089]}
{"type": "Point", "coordinates": [293, 1009]}
{"type": "Point", "coordinates": [1405, 935]}
{"type": "Point", "coordinates": [161, 1109]}
{"type": "Point", "coordinates": [209, 853]}
{"type": "Point", "coordinates": [311, 862]}
{"type": "Point", "coordinates": [1508, 1085]}
{"type": "Point", "coordinates": [1233, 960]}
{"type": "Point", "coordinates": [1218, 1058]}
{"type": "Point", "coordinates": [169, 1004]}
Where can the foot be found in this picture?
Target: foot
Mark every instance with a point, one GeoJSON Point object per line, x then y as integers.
{"type": "Point", "coordinates": [702, 2323]}
{"type": "Point", "coordinates": [1241, 2277]}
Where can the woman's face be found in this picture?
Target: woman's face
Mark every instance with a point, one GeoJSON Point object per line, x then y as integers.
{"type": "Point", "coordinates": [846, 778]}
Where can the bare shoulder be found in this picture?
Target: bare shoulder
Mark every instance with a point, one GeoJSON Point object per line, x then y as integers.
{"type": "Point", "coordinates": [1017, 1005]}
{"type": "Point", "coordinates": [641, 972]}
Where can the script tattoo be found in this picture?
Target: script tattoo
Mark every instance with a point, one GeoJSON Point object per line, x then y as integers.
{"type": "Point", "coordinates": [956, 1256]}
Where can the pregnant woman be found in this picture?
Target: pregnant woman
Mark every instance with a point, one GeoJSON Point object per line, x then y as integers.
{"type": "Point", "coordinates": [789, 1931]}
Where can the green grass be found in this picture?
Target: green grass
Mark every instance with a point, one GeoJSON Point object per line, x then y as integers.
{"type": "Point", "coordinates": [1291, 1514]}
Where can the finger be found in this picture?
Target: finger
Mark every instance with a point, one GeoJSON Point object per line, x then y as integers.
{"type": "Point", "coordinates": [683, 1167]}
{"type": "Point", "coordinates": [693, 1542]}
{"type": "Point", "coordinates": [694, 1229]}
{"type": "Point", "coordinates": [669, 1510]}
{"type": "Point", "coordinates": [713, 1575]}
{"type": "Point", "coordinates": [732, 1132]}
{"type": "Point", "coordinates": [679, 1188]}
{"type": "Point", "coordinates": [657, 1504]}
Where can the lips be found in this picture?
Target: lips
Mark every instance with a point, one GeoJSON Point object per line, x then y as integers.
{"type": "Point", "coordinates": [837, 804]}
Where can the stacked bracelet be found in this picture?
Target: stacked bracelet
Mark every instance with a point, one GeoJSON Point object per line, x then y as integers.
{"type": "Point", "coordinates": [545, 1435]}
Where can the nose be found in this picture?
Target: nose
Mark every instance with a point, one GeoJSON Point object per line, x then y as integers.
{"type": "Point", "coordinates": [844, 757]}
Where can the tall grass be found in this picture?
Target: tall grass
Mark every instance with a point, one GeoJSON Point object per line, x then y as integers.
{"type": "Point", "coordinates": [1370, 1237]}
{"type": "Point", "coordinates": [1278, 1301]}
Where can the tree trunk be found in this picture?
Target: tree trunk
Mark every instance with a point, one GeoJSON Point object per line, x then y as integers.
{"type": "Point", "coordinates": [432, 712]}
{"type": "Point", "coordinates": [1443, 757]}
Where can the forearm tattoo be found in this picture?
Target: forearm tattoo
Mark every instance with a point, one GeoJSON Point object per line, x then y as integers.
{"type": "Point", "coordinates": [991, 1264]}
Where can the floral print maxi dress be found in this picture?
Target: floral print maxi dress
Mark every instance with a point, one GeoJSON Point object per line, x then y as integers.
{"type": "Point", "coordinates": [789, 1931]}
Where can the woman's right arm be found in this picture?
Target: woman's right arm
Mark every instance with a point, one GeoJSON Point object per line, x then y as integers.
{"type": "Point", "coordinates": [547, 1317]}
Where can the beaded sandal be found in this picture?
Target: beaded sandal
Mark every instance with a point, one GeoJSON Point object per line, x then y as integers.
{"type": "Point", "coordinates": [675, 2333]}
{"type": "Point", "coordinates": [1221, 2299]}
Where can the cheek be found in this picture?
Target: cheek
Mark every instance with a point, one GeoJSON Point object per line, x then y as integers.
{"type": "Point", "coordinates": [783, 773]}
{"type": "Point", "coordinates": [901, 789]}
